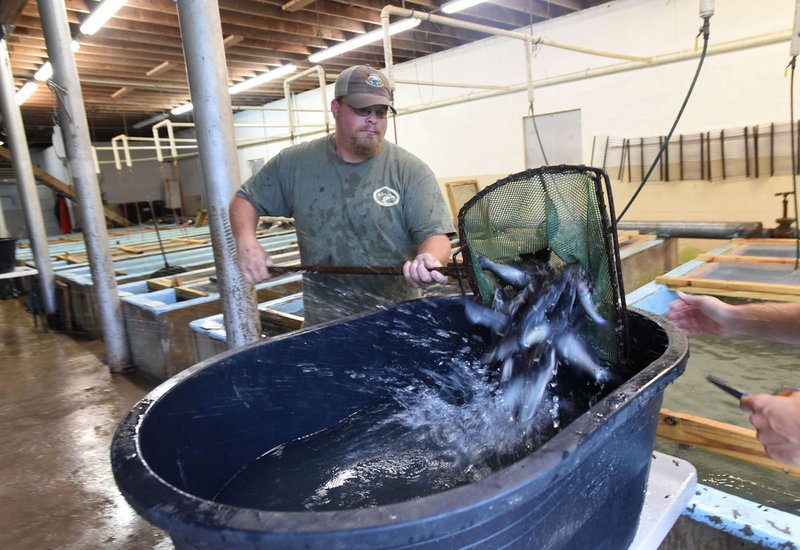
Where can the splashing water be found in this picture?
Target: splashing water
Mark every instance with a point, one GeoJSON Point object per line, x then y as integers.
{"type": "Point", "coordinates": [441, 428]}
{"type": "Point", "coordinates": [436, 433]}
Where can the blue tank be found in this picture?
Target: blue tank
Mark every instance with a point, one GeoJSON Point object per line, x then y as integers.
{"type": "Point", "coordinates": [583, 488]}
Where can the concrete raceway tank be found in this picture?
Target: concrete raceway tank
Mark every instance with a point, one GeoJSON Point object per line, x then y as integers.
{"type": "Point", "coordinates": [583, 488]}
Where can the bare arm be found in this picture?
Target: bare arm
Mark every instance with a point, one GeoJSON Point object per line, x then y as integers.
{"type": "Point", "coordinates": [779, 322]}
{"type": "Point", "coordinates": [251, 257]}
{"type": "Point", "coordinates": [433, 252]}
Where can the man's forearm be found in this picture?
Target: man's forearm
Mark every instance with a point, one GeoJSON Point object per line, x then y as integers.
{"type": "Point", "coordinates": [244, 218]}
{"type": "Point", "coordinates": [437, 246]}
{"type": "Point", "coordinates": [779, 322]}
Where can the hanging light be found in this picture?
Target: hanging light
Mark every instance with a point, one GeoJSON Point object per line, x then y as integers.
{"type": "Point", "coordinates": [44, 72]}
{"type": "Point", "coordinates": [26, 91]}
{"type": "Point", "coordinates": [246, 85]}
{"type": "Point", "coordinates": [185, 108]}
{"type": "Point", "coordinates": [458, 5]}
{"type": "Point", "coordinates": [262, 78]}
{"type": "Point", "coordinates": [363, 40]}
{"type": "Point", "coordinates": [101, 15]}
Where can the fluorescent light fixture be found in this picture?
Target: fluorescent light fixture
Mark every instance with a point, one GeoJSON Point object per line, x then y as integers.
{"type": "Point", "coordinates": [458, 5]}
{"type": "Point", "coordinates": [101, 15]}
{"type": "Point", "coordinates": [246, 85]}
{"type": "Point", "coordinates": [152, 120]}
{"type": "Point", "coordinates": [363, 40]}
{"type": "Point", "coordinates": [262, 78]}
{"type": "Point", "coordinates": [26, 91]}
{"type": "Point", "coordinates": [46, 70]}
{"type": "Point", "coordinates": [185, 108]}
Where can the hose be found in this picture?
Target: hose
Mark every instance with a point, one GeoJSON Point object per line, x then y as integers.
{"type": "Point", "coordinates": [704, 30]}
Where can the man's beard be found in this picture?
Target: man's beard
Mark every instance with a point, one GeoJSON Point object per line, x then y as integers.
{"type": "Point", "coordinates": [366, 146]}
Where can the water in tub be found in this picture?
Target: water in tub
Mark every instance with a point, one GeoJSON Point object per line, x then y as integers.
{"type": "Point", "coordinates": [442, 431]}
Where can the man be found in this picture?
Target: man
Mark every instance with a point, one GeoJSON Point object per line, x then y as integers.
{"type": "Point", "coordinates": [356, 200]}
{"type": "Point", "coordinates": [776, 418]}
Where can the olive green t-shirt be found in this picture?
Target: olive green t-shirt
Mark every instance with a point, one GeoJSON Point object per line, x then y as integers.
{"type": "Point", "coordinates": [375, 212]}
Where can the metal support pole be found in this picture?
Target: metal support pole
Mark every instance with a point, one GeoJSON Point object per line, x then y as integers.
{"type": "Point", "coordinates": [23, 169]}
{"type": "Point", "coordinates": [78, 145]}
{"type": "Point", "coordinates": [201, 31]}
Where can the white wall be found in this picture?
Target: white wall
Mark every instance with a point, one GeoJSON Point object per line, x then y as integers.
{"type": "Point", "coordinates": [484, 139]}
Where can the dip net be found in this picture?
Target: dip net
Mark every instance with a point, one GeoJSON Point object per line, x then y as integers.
{"type": "Point", "coordinates": [557, 215]}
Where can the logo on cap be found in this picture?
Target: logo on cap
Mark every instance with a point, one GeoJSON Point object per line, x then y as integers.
{"type": "Point", "coordinates": [374, 80]}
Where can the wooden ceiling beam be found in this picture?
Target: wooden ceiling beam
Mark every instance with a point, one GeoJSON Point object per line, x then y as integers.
{"type": "Point", "coordinates": [160, 69]}
{"type": "Point", "coordinates": [294, 5]}
{"type": "Point", "coordinates": [275, 35]}
{"type": "Point", "coordinates": [316, 18]}
{"type": "Point", "coordinates": [231, 40]}
{"type": "Point", "coordinates": [536, 8]}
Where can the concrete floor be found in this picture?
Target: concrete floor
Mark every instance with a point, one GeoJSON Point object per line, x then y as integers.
{"type": "Point", "coordinates": [59, 408]}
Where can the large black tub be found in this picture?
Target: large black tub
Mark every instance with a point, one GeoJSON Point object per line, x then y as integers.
{"type": "Point", "coordinates": [583, 489]}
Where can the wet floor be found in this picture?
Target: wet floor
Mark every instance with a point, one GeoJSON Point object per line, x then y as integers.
{"type": "Point", "coordinates": [59, 407]}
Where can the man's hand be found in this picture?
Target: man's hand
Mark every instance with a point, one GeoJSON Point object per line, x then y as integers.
{"type": "Point", "coordinates": [252, 260]}
{"type": "Point", "coordinates": [700, 315]}
{"type": "Point", "coordinates": [776, 419]}
{"type": "Point", "coordinates": [420, 272]}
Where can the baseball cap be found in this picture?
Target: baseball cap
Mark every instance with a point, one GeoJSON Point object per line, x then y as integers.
{"type": "Point", "coordinates": [363, 86]}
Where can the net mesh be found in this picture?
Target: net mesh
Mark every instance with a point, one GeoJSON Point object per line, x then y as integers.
{"type": "Point", "coordinates": [556, 215]}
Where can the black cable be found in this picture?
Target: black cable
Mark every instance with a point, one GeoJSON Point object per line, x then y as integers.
{"type": "Point", "coordinates": [705, 32]}
{"type": "Point", "coordinates": [794, 161]}
{"type": "Point", "coordinates": [539, 139]}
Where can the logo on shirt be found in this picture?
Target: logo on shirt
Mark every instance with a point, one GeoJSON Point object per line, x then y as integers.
{"type": "Point", "coordinates": [386, 196]}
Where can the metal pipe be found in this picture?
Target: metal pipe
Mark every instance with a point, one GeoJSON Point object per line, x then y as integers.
{"type": "Point", "coordinates": [402, 12]}
{"type": "Point", "coordinates": [157, 139]}
{"type": "Point", "coordinates": [388, 61]}
{"type": "Point", "coordinates": [450, 84]}
{"type": "Point", "coordinates": [170, 139]}
{"type": "Point", "coordinates": [141, 84]}
{"type": "Point", "coordinates": [124, 139]}
{"type": "Point", "coordinates": [171, 136]}
{"type": "Point", "coordinates": [201, 31]}
{"type": "Point", "coordinates": [726, 47]}
{"type": "Point", "coordinates": [78, 145]}
{"type": "Point", "coordinates": [528, 45]}
{"type": "Point", "coordinates": [95, 160]}
{"type": "Point", "coordinates": [23, 169]}
{"type": "Point", "coordinates": [281, 109]}
{"type": "Point", "coordinates": [695, 230]}
{"type": "Point", "coordinates": [287, 94]}
{"type": "Point", "coordinates": [323, 90]}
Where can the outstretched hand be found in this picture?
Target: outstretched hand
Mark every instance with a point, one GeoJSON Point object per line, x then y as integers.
{"type": "Point", "coordinates": [421, 271]}
{"type": "Point", "coordinates": [700, 315]}
{"type": "Point", "coordinates": [776, 419]}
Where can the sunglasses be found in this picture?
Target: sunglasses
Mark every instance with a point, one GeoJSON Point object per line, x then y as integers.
{"type": "Point", "coordinates": [380, 112]}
